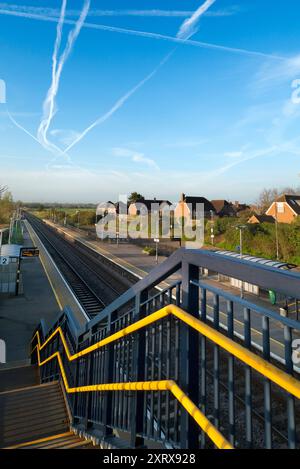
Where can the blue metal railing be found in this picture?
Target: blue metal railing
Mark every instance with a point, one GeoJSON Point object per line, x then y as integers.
{"type": "Point", "coordinates": [237, 399]}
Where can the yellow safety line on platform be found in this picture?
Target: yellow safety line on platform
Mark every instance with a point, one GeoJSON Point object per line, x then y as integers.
{"type": "Point", "coordinates": [45, 270]}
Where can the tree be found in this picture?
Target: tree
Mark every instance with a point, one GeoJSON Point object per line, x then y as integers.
{"type": "Point", "coordinates": [134, 197]}
{"type": "Point", "coordinates": [6, 208]}
{"type": "Point", "coordinates": [266, 198]}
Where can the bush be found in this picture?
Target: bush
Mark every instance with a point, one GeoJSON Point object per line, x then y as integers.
{"type": "Point", "coordinates": [149, 250]}
{"type": "Point", "coordinates": [260, 240]}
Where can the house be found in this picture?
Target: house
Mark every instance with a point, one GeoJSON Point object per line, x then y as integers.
{"type": "Point", "coordinates": [257, 219]}
{"type": "Point", "coordinates": [105, 208]}
{"type": "Point", "coordinates": [121, 208]}
{"type": "Point", "coordinates": [187, 206]}
{"type": "Point", "coordinates": [133, 209]}
{"type": "Point", "coordinates": [224, 208]}
{"type": "Point", "coordinates": [238, 207]}
{"type": "Point", "coordinates": [285, 209]}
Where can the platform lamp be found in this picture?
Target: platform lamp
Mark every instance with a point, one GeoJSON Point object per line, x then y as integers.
{"type": "Point", "coordinates": [78, 213]}
{"type": "Point", "coordinates": [212, 225]}
{"type": "Point", "coordinates": [241, 228]}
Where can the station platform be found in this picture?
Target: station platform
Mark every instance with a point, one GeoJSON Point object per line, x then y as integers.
{"type": "Point", "coordinates": [20, 315]}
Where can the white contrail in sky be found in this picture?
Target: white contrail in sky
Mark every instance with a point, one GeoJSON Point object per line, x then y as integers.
{"type": "Point", "coordinates": [186, 31]}
{"type": "Point", "coordinates": [132, 32]}
{"type": "Point", "coordinates": [49, 104]}
{"type": "Point", "coordinates": [119, 103]}
{"type": "Point", "coordinates": [19, 126]}
{"type": "Point", "coordinates": [189, 26]}
{"type": "Point", "coordinates": [125, 98]}
{"type": "Point", "coordinates": [113, 13]}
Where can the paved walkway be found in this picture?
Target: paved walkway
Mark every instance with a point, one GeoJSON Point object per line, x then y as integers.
{"type": "Point", "coordinates": [20, 315]}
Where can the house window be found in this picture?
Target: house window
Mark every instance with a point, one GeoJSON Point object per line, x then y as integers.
{"type": "Point", "coordinates": [280, 207]}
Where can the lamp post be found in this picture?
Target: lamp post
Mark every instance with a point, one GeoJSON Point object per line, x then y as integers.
{"type": "Point", "coordinates": [78, 213]}
{"type": "Point", "coordinates": [241, 228]}
{"type": "Point", "coordinates": [156, 240]}
{"type": "Point", "coordinates": [276, 232]}
{"type": "Point", "coordinates": [212, 224]}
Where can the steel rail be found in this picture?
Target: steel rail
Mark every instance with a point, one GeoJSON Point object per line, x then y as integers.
{"type": "Point", "coordinates": [81, 252]}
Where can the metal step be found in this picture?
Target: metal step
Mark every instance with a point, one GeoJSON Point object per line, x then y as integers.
{"type": "Point", "coordinates": [18, 377]}
{"type": "Point", "coordinates": [67, 440]}
{"type": "Point", "coordinates": [32, 413]}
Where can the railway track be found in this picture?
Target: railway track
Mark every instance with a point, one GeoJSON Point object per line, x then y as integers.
{"type": "Point", "coordinates": [92, 284]}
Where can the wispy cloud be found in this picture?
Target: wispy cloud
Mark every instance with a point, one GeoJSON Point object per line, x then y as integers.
{"type": "Point", "coordinates": [57, 68]}
{"type": "Point", "coordinates": [65, 136]}
{"type": "Point", "coordinates": [190, 25]}
{"type": "Point", "coordinates": [273, 74]}
{"type": "Point", "coordinates": [250, 156]}
{"type": "Point", "coordinates": [135, 157]}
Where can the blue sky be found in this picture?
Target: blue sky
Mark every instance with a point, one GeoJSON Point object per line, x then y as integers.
{"type": "Point", "coordinates": [210, 121]}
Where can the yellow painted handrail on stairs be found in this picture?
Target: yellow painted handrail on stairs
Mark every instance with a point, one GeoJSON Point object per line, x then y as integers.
{"type": "Point", "coordinates": [282, 379]}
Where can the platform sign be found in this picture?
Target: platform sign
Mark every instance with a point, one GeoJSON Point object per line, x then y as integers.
{"type": "Point", "coordinates": [4, 260]}
{"type": "Point", "coordinates": [29, 252]}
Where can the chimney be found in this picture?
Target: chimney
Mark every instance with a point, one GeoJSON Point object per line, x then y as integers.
{"type": "Point", "coordinates": [182, 197]}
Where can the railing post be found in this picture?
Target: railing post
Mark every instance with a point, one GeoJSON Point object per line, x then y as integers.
{"type": "Point", "coordinates": [89, 375]}
{"type": "Point", "coordinates": [138, 364]}
{"type": "Point", "coordinates": [76, 384]}
{"type": "Point", "coordinates": [189, 356]}
{"type": "Point", "coordinates": [108, 378]}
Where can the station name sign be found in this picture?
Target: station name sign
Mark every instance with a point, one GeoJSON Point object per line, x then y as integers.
{"type": "Point", "coordinates": [29, 252]}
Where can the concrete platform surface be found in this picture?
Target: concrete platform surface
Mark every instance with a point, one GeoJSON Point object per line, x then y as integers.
{"type": "Point", "coordinates": [20, 315]}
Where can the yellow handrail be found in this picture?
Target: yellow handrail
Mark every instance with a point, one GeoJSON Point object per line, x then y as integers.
{"type": "Point", "coordinates": [282, 379]}
{"type": "Point", "coordinates": [263, 367]}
